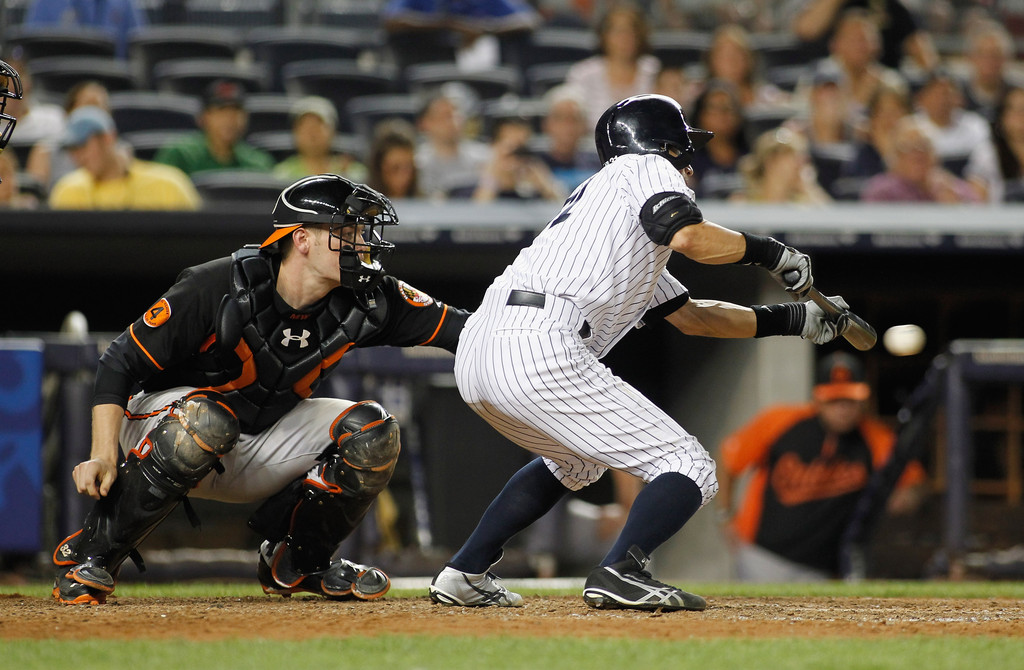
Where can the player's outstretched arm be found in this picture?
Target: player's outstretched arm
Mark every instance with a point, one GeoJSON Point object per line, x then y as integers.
{"type": "Point", "coordinates": [95, 476]}
{"type": "Point", "coordinates": [714, 318]}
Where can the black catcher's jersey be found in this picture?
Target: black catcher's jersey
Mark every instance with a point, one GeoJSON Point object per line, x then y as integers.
{"type": "Point", "coordinates": [223, 326]}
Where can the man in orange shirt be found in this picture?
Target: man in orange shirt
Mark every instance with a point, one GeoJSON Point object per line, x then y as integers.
{"type": "Point", "coordinates": [809, 466]}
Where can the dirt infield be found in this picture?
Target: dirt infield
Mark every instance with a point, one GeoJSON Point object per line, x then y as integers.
{"type": "Point", "coordinates": [564, 616]}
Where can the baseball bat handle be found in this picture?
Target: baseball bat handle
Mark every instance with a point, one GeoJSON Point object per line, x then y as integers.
{"type": "Point", "coordinates": [857, 331]}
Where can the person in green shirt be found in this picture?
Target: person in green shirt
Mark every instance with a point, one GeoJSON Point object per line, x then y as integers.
{"type": "Point", "coordinates": [314, 126]}
{"type": "Point", "coordinates": [219, 146]}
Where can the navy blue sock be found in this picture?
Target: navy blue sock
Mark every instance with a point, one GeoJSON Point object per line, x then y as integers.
{"type": "Point", "coordinates": [527, 496]}
{"type": "Point", "coordinates": [659, 511]}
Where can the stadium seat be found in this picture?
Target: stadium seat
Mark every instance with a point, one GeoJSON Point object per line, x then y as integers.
{"type": "Point", "coordinates": [47, 41]}
{"type": "Point", "coordinates": [829, 161]}
{"type": "Point", "coordinates": [152, 45]}
{"type": "Point", "coordinates": [488, 84]}
{"type": "Point", "coordinates": [759, 119]}
{"type": "Point", "coordinates": [277, 46]}
{"type": "Point", "coordinates": [58, 74]}
{"type": "Point", "coordinates": [338, 80]}
{"type": "Point", "coordinates": [269, 112]}
{"type": "Point", "coordinates": [542, 78]}
{"type": "Point", "coordinates": [281, 144]}
{"type": "Point", "coordinates": [366, 111]}
{"type": "Point", "coordinates": [136, 111]}
{"type": "Point", "coordinates": [347, 13]}
{"type": "Point", "coordinates": [777, 49]}
{"type": "Point", "coordinates": [557, 45]}
{"type": "Point", "coordinates": [191, 76]}
{"type": "Point", "coordinates": [531, 109]}
{"type": "Point", "coordinates": [235, 13]}
{"type": "Point", "coordinates": [228, 188]}
{"type": "Point", "coordinates": [146, 143]}
{"type": "Point", "coordinates": [679, 48]}
{"type": "Point", "coordinates": [414, 47]}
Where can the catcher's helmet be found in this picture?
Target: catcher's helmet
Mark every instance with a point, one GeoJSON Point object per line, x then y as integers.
{"type": "Point", "coordinates": [10, 87]}
{"type": "Point", "coordinates": [648, 124]}
{"type": "Point", "coordinates": [340, 203]}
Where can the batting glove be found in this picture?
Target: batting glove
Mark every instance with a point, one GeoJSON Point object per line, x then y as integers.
{"type": "Point", "coordinates": [791, 259]}
{"type": "Point", "coordinates": [821, 328]}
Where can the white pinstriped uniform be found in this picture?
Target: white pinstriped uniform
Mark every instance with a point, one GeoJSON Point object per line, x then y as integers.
{"type": "Point", "coordinates": [528, 371]}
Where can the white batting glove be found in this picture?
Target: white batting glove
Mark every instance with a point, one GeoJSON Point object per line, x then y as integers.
{"type": "Point", "coordinates": [793, 261]}
{"type": "Point", "coordinates": [819, 327]}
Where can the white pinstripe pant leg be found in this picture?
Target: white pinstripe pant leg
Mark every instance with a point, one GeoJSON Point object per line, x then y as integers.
{"type": "Point", "coordinates": [528, 373]}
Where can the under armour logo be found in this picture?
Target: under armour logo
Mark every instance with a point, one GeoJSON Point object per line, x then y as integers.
{"type": "Point", "coordinates": [302, 339]}
{"type": "Point", "coordinates": [364, 278]}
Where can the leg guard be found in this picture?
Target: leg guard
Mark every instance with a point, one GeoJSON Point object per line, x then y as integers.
{"type": "Point", "coordinates": [154, 478]}
{"type": "Point", "coordinates": [305, 522]}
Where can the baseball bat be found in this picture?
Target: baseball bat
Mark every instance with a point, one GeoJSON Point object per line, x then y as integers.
{"type": "Point", "coordinates": [857, 331]}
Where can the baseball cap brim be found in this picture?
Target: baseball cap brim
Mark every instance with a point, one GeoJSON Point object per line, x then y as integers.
{"type": "Point", "coordinates": [842, 391]}
{"type": "Point", "coordinates": [279, 233]}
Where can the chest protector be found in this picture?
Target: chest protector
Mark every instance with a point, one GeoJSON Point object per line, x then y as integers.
{"type": "Point", "coordinates": [270, 357]}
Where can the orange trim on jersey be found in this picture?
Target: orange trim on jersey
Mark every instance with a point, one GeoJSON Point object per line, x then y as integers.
{"type": "Point", "coordinates": [444, 313]}
{"type": "Point", "coordinates": [205, 346]}
{"type": "Point", "coordinates": [304, 387]}
{"type": "Point", "coordinates": [248, 375]}
{"type": "Point", "coordinates": [131, 331]}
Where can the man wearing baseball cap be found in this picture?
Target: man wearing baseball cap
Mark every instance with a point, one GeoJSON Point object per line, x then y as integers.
{"type": "Point", "coordinates": [808, 465]}
{"type": "Point", "coordinates": [108, 178]}
{"type": "Point", "coordinates": [219, 145]}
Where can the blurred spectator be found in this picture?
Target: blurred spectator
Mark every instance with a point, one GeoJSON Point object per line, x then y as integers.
{"type": "Point", "coordinates": [218, 145]}
{"type": "Point", "coordinates": [827, 122]}
{"type": "Point", "coordinates": [989, 50]}
{"type": "Point", "coordinates": [48, 161]}
{"type": "Point", "coordinates": [913, 172]}
{"type": "Point", "coordinates": [885, 110]}
{"type": "Point", "coordinates": [716, 171]}
{"type": "Point", "coordinates": [624, 65]}
{"type": "Point", "coordinates": [514, 171]}
{"type": "Point", "coordinates": [779, 171]}
{"type": "Point", "coordinates": [11, 195]}
{"type": "Point", "coordinates": [816, 21]}
{"type": "Point", "coordinates": [37, 119]}
{"type": "Point", "coordinates": [392, 159]}
{"type": "Point", "coordinates": [449, 163]}
{"type": "Point", "coordinates": [314, 124]}
{"type": "Point", "coordinates": [853, 55]}
{"type": "Point", "coordinates": [116, 17]}
{"type": "Point", "coordinates": [565, 126]}
{"type": "Point", "coordinates": [673, 82]}
{"type": "Point", "coordinates": [469, 19]}
{"type": "Point", "coordinates": [961, 138]}
{"type": "Point", "coordinates": [732, 59]}
{"type": "Point", "coordinates": [808, 467]}
{"type": "Point", "coordinates": [107, 179]}
{"type": "Point", "coordinates": [1008, 137]}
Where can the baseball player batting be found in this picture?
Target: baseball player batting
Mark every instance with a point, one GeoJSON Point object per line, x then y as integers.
{"type": "Point", "coordinates": [528, 360]}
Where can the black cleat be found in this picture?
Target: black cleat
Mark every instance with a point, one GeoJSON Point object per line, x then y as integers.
{"type": "Point", "coordinates": [627, 585]}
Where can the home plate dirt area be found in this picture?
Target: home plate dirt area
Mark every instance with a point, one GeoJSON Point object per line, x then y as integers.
{"type": "Point", "coordinates": [266, 617]}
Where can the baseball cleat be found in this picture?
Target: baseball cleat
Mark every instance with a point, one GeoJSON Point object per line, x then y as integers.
{"type": "Point", "coordinates": [627, 585]}
{"type": "Point", "coordinates": [454, 587]}
{"type": "Point", "coordinates": [343, 580]}
{"type": "Point", "coordinates": [83, 585]}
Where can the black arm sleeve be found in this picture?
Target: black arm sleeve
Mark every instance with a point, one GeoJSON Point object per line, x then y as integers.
{"type": "Point", "coordinates": [665, 213]}
{"type": "Point", "coordinates": [665, 308]}
{"type": "Point", "coordinates": [112, 386]}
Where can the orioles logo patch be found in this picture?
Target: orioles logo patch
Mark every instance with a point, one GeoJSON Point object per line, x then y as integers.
{"type": "Point", "coordinates": [414, 296]}
{"type": "Point", "coordinates": [158, 314]}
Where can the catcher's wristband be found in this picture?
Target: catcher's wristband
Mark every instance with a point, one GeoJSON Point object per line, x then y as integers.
{"type": "Point", "coordinates": [785, 318]}
{"type": "Point", "coordinates": [761, 250]}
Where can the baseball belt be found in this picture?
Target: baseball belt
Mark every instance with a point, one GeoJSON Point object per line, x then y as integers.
{"type": "Point", "coordinates": [522, 298]}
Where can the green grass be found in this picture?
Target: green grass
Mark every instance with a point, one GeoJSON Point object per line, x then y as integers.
{"type": "Point", "coordinates": [397, 652]}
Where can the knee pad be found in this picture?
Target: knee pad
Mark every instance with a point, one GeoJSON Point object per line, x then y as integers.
{"type": "Point", "coordinates": [190, 440]}
{"type": "Point", "coordinates": [362, 458]}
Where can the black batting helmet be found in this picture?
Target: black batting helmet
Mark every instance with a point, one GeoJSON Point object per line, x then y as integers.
{"type": "Point", "coordinates": [648, 124]}
{"type": "Point", "coordinates": [10, 88]}
{"type": "Point", "coordinates": [340, 203]}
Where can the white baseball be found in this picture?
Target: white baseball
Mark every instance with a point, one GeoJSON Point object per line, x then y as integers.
{"type": "Point", "coordinates": [904, 340]}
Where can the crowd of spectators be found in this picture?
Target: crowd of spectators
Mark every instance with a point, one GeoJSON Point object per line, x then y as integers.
{"type": "Point", "coordinates": [864, 106]}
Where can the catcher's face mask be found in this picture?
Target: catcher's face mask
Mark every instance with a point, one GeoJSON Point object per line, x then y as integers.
{"type": "Point", "coordinates": [10, 88]}
{"type": "Point", "coordinates": [359, 239]}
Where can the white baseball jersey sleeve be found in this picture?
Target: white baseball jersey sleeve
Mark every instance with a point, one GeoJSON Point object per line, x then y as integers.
{"type": "Point", "coordinates": [533, 370]}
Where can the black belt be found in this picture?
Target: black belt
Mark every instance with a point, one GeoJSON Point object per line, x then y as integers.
{"type": "Point", "coordinates": [521, 298]}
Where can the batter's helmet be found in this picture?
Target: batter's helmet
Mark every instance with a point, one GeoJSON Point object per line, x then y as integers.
{"type": "Point", "coordinates": [340, 203]}
{"type": "Point", "coordinates": [10, 87]}
{"type": "Point", "coordinates": [648, 124]}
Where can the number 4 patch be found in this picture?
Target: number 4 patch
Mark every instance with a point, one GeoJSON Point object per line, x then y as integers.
{"type": "Point", "coordinates": [158, 314]}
